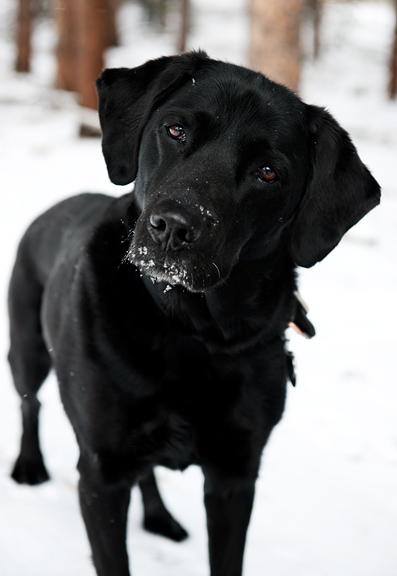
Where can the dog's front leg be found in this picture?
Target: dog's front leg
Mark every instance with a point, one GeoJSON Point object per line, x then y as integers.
{"type": "Point", "coordinates": [228, 505]}
{"type": "Point", "coordinates": [104, 508]}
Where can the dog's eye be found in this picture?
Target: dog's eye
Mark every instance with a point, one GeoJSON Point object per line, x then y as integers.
{"type": "Point", "coordinates": [267, 174]}
{"type": "Point", "coordinates": [177, 133]}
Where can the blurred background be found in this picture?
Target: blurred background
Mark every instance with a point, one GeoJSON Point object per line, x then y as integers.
{"type": "Point", "coordinates": [326, 498]}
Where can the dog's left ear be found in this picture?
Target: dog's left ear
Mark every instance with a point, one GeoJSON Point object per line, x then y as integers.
{"type": "Point", "coordinates": [126, 99]}
{"type": "Point", "coordinates": [340, 192]}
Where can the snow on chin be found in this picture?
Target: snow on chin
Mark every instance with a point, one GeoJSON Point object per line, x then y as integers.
{"type": "Point", "coordinates": [171, 275]}
{"type": "Point", "coordinates": [167, 272]}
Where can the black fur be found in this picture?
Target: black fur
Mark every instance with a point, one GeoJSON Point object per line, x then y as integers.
{"type": "Point", "coordinates": [191, 369]}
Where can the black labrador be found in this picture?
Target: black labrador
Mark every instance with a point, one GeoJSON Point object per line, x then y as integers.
{"type": "Point", "coordinates": [163, 312]}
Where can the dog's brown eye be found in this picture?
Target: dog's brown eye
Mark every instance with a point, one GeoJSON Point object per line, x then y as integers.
{"type": "Point", "coordinates": [177, 133]}
{"type": "Point", "coordinates": [267, 174]}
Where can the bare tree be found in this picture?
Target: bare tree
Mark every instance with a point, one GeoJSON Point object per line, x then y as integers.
{"type": "Point", "coordinates": [275, 39]}
{"type": "Point", "coordinates": [85, 29]}
{"type": "Point", "coordinates": [183, 26]}
{"type": "Point", "coordinates": [23, 39]}
{"type": "Point", "coordinates": [92, 37]}
{"type": "Point", "coordinates": [392, 88]}
{"type": "Point", "coordinates": [113, 36]}
{"type": "Point", "coordinates": [66, 50]}
{"type": "Point", "coordinates": [315, 9]}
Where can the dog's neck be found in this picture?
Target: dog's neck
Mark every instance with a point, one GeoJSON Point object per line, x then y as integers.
{"type": "Point", "coordinates": [253, 305]}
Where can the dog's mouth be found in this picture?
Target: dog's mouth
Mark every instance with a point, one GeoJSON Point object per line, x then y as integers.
{"type": "Point", "coordinates": [167, 271]}
{"type": "Point", "coordinates": [181, 269]}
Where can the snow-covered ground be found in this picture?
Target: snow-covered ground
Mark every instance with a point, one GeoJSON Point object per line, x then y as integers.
{"type": "Point", "coordinates": [326, 501]}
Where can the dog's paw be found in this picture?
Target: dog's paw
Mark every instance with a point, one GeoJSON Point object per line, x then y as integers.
{"type": "Point", "coordinates": [29, 471]}
{"type": "Point", "coordinates": [165, 525]}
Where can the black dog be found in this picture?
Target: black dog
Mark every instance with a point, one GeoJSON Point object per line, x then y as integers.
{"type": "Point", "coordinates": [163, 312]}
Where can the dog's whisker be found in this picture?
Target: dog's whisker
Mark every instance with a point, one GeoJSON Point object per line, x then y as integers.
{"type": "Point", "coordinates": [217, 269]}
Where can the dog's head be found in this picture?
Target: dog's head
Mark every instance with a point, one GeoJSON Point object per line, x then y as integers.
{"type": "Point", "coordinates": [228, 165]}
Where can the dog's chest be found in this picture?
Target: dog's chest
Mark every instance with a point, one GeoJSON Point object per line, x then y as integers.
{"type": "Point", "coordinates": [201, 417]}
{"type": "Point", "coordinates": [178, 447]}
{"type": "Point", "coordinates": [177, 440]}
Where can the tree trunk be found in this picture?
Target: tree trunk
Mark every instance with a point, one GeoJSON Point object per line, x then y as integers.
{"type": "Point", "coordinates": [275, 43]}
{"type": "Point", "coordinates": [112, 33]}
{"type": "Point", "coordinates": [24, 29]}
{"type": "Point", "coordinates": [66, 50]}
{"type": "Point", "coordinates": [92, 37]}
{"type": "Point", "coordinates": [315, 8]}
{"type": "Point", "coordinates": [183, 26]}
{"type": "Point", "coordinates": [85, 29]}
{"type": "Point", "coordinates": [392, 88]}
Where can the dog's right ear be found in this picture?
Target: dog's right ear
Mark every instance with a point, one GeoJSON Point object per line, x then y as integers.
{"type": "Point", "coordinates": [127, 97]}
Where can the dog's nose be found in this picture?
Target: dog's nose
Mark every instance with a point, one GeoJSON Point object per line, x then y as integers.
{"type": "Point", "coordinates": [173, 228]}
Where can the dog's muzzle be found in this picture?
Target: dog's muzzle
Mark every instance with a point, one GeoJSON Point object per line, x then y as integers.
{"type": "Point", "coordinates": [177, 243]}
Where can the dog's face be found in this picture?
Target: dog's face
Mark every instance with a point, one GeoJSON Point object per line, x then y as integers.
{"type": "Point", "coordinates": [228, 165]}
{"type": "Point", "coordinates": [221, 173]}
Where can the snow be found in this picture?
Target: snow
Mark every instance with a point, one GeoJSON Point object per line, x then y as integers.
{"type": "Point", "coordinates": [326, 498]}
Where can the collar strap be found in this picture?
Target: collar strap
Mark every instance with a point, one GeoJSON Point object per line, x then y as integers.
{"type": "Point", "coordinates": [300, 322]}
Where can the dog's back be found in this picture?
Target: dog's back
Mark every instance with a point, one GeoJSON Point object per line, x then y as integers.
{"type": "Point", "coordinates": [53, 234]}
